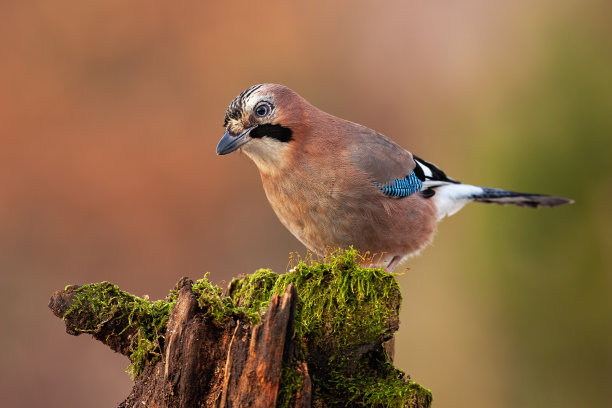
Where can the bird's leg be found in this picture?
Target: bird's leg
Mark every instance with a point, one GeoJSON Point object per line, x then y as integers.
{"type": "Point", "coordinates": [394, 261]}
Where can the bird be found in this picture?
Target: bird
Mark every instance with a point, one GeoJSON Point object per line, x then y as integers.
{"type": "Point", "coordinates": [336, 184]}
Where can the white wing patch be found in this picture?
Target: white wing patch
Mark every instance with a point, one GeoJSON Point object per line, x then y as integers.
{"type": "Point", "coordinates": [426, 169]}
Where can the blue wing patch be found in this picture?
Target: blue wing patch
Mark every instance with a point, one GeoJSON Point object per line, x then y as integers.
{"type": "Point", "coordinates": [403, 187]}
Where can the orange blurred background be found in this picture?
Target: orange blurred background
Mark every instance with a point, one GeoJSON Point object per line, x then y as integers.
{"type": "Point", "coordinates": [110, 112]}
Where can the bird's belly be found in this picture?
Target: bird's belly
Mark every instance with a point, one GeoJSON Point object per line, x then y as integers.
{"type": "Point", "coordinates": [322, 218]}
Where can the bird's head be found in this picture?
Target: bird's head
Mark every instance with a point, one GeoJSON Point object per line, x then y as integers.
{"type": "Point", "coordinates": [261, 122]}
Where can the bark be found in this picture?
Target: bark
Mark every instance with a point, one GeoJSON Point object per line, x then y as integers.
{"type": "Point", "coordinates": [203, 348]}
{"type": "Point", "coordinates": [204, 365]}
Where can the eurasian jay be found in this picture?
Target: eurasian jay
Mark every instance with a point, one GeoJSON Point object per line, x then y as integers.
{"type": "Point", "coordinates": [336, 184]}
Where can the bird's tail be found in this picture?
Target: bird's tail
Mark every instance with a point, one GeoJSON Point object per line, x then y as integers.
{"type": "Point", "coordinates": [451, 197]}
{"type": "Point", "coordinates": [499, 196]}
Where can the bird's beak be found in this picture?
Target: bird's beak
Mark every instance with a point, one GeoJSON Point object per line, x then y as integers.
{"type": "Point", "coordinates": [229, 142]}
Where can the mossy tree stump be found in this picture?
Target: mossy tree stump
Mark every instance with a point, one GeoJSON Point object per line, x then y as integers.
{"type": "Point", "coordinates": [312, 337]}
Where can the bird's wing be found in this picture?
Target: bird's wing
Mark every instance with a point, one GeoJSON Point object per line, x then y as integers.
{"type": "Point", "coordinates": [391, 168]}
{"type": "Point", "coordinates": [430, 174]}
{"type": "Point", "coordinates": [379, 157]}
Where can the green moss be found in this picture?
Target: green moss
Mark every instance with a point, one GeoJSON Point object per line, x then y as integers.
{"type": "Point", "coordinates": [290, 384]}
{"type": "Point", "coordinates": [344, 314]}
{"type": "Point", "coordinates": [253, 293]}
{"type": "Point", "coordinates": [249, 299]}
{"type": "Point", "coordinates": [211, 300]}
{"type": "Point", "coordinates": [106, 312]}
{"type": "Point", "coordinates": [370, 382]}
{"type": "Point", "coordinates": [341, 304]}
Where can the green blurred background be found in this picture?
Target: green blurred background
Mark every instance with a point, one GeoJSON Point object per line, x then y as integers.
{"type": "Point", "coordinates": [110, 113]}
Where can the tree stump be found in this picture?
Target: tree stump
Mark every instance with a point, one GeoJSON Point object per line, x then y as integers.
{"type": "Point", "coordinates": [312, 337]}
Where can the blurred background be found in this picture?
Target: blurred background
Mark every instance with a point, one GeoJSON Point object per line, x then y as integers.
{"type": "Point", "coordinates": [110, 112]}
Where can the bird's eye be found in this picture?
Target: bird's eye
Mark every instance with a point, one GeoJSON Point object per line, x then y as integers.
{"type": "Point", "coordinates": [262, 110]}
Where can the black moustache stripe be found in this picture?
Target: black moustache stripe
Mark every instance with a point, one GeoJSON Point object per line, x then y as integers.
{"type": "Point", "coordinates": [278, 132]}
